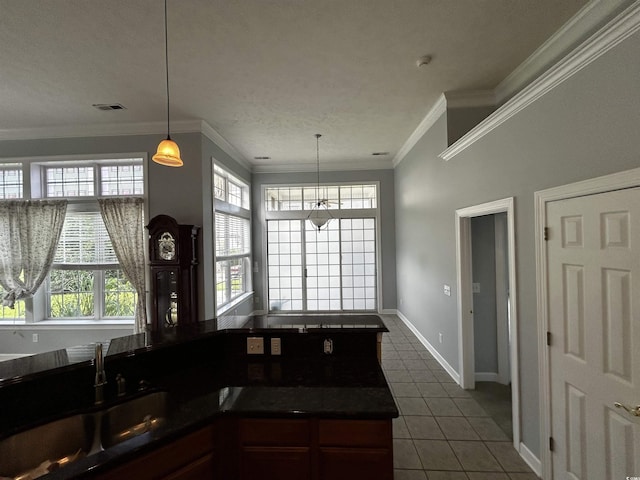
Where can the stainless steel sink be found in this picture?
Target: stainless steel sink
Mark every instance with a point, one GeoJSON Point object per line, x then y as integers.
{"type": "Point", "coordinates": [55, 444]}
{"type": "Point", "coordinates": [133, 418]}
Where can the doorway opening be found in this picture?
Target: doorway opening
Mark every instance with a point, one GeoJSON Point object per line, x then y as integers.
{"type": "Point", "coordinates": [488, 351]}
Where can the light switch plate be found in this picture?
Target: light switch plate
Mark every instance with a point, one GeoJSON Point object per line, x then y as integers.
{"type": "Point", "coordinates": [447, 290]}
{"type": "Point", "coordinates": [255, 346]}
{"type": "Point", "coordinates": [276, 346]}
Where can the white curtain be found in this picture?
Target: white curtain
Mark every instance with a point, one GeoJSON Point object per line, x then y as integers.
{"type": "Point", "coordinates": [29, 234]}
{"type": "Point", "coordinates": [123, 218]}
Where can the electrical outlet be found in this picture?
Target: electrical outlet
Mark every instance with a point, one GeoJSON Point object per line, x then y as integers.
{"type": "Point", "coordinates": [256, 300]}
{"type": "Point", "coordinates": [35, 338]}
{"type": "Point", "coordinates": [476, 287]}
{"type": "Point", "coordinates": [275, 346]}
{"type": "Point", "coordinates": [255, 346]}
{"type": "Point", "coordinates": [447, 290]}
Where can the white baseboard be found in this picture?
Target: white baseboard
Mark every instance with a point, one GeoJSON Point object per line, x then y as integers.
{"type": "Point", "coordinates": [12, 356]}
{"type": "Point", "coordinates": [449, 369]}
{"type": "Point", "coordinates": [388, 311]}
{"type": "Point", "coordinates": [486, 377]}
{"type": "Point", "coordinates": [531, 460]}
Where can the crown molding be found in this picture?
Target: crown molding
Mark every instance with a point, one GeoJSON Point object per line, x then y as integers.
{"type": "Point", "coordinates": [357, 165]}
{"type": "Point", "coordinates": [423, 127]}
{"type": "Point", "coordinates": [470, 98]}
{"type": "Point", "coordinates": [100, 130]}
{"type": "Point", "coordinates": [594, 14]}
{"type": "Point", "coordinates": [617, 30]}
{"type": "Point", "coordinates": [119, 129]}
{"type": "Point", "coordinates": [213, 135]}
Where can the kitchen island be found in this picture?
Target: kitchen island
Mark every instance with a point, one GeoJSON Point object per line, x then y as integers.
{"type": "Point", "coordinates": [310, 401]}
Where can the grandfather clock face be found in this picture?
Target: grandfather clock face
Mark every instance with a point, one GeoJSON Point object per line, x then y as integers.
{"type": "Point", "coordinates": [167, 246]}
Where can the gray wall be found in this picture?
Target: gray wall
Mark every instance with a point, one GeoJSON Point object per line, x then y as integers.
{"type": "Point", "coordinates": [483, 253]}
{"type": "Point", "coordinates": [584, 128]}
{"type": "Point", "coordinates": [183, 193]}
{"type": "Point", "coordinates": [387, 223]}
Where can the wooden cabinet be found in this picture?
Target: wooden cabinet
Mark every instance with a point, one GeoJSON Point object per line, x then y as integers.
{"type": "Point", "coordinates": [274, 449]}
{"type": "Point", "coordinates": [355, 449]}
{"type": "Point", "coordinates": [189, 458]}
{"type": "Point", "coordinates": [315, 449]}
{"type": "Point", "coordinates": [270, 449]}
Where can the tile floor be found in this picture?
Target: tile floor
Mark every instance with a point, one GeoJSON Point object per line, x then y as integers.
{"type": "Point", "coordinates": [442, 432]}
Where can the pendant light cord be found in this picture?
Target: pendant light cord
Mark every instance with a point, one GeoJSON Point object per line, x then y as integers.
{"type": "Point", "coordinates": [166, 64]}
{"type": "Point", "coordinates": [318, 169]}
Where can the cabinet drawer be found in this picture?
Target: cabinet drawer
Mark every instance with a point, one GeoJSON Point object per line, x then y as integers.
{"type": "Point", "coordinates": [267, 432]}
{"type": "Point", "coordinates": [355, 433]}
{"type": "Point", "coordinates": [350, 463]}
{"type": "Point", "coordinates": [273, 463]}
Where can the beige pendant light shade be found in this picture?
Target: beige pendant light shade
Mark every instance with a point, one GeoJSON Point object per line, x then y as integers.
{"type": "Point", "coordinates": [168, 154]}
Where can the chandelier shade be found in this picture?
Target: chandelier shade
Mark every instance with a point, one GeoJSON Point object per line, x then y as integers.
{"type": "Point", "coordinates": [320, 216]}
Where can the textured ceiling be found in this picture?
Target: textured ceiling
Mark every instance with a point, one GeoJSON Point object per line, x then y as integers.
{"type": "Point", "coordinates": [265, 74]}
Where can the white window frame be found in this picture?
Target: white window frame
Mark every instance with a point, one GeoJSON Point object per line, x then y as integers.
{"type": "Point", "coordinates": [243, 212]}
{"type": "Point", "coordinates": [336, 213]}
{"type": "Point", "coordinates": [34, 187]}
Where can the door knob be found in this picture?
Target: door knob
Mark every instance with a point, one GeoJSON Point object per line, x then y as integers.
{"type": "Point", "coordinates": [633, 411]}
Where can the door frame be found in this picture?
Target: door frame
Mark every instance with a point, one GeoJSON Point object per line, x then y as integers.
{"type": "Point", "coordinates": [607, 183]}
{"type": "Point", "coordinates": [465, 300]}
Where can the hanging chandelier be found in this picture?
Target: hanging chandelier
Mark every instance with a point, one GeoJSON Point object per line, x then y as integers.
{"type": "Point", "coordinates": [320, 216]}
{"type": "Point", "coordinates": [168, 151]}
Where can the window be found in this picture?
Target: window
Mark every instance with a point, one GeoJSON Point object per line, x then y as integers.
{"type": "Point", "coordinates": [334, 269]}
{"type": "Point", "coordinates": [11, 180]}
{"type": "Point", "coordinates": [339, 197]}
{"type": "Point", "coordinates": [86, 282]}
{"type": "Point", "coordinates": [232, 237]}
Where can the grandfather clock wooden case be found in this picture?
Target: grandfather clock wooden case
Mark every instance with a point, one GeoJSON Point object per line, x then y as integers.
{"type": "Point", "coordinates": [174, 272]}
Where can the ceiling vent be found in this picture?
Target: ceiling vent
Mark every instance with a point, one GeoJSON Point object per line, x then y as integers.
{"type": "Point", "coordinates": [109, 106]}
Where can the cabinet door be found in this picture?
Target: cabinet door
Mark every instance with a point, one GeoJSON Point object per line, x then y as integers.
{"type": "Point", "coordinates": [201, 469]}
{"type": "Point", "coordinates": [349, 463]}
{"type": "Point", "coordinates": [275, 463]}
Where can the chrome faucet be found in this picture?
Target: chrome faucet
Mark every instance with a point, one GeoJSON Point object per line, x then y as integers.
{"type": "Point", "coordinates": [101, 376]}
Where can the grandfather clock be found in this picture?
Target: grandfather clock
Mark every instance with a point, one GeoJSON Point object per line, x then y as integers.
{"type": "Point", "coordinates": [174, 275]}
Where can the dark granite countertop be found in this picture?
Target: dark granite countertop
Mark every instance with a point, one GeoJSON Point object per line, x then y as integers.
{"type": "Point", "coordinates": [19, 368]}
{"type": "Point", "coordinates": [206, 373]}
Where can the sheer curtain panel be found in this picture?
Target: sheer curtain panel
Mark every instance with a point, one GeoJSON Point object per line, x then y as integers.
{"type": "Point", "coordinates": [29, 234]}
{"type": "Point", "coordinates": [124, 220]}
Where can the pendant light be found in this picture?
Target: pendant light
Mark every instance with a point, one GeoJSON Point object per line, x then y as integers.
{"type": "Point", "coordinates": [168, 152]}
{"type": "Point", "coordinates": [319, 215]}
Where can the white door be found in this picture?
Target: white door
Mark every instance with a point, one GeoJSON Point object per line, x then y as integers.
{"type": "Point", "coordinates": [593, 254]}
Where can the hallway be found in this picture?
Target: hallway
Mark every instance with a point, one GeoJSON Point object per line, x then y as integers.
{"type": "Point", "coordinates": [442, 432]}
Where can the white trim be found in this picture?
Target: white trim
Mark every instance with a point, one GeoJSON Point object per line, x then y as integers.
{"type": "Point", "coordinates": [486, 377]}
{"type": "Point", "coordinates": [353, 165]}
{"type": "Point", "coordinates": [119, 129]}
{"type": "Point", "coordinates": [470, 98]}
{"type": "Point", "coordinates": [423, 127]}
{"type": "Point", "coordinates": [388, 311]}
{"type": "Point", "coordinates": [100, 130]}
{"type": "Point", "coordinates": [465, 299]}
{"type": "Point", "coordinates": [621, 27]}
{"type": "Point", "coordinates": [502, 301]}
{"type": "Point", "coordinates": [222, 143]}
{"type": "Point", "coordinates": [530, 459]}
{"type": "Point", "coordinates": [432, 350]}
{"type": "Point", "coordinates": [616, 181]}
{"type": "Point", "coordinates": [81, 325]}
{"type": "Point", "coordinates": [594, 13]}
